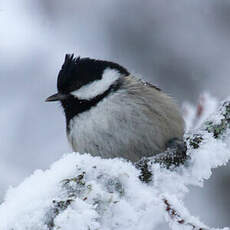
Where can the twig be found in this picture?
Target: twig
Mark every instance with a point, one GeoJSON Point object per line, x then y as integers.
{"type": "Point", "coordinates": [176, 217]}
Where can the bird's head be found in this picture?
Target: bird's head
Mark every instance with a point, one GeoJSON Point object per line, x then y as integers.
{"type": "Point", "coordinates": [83, 82]}
{"type": "Point", "coordinates": [85, 78]}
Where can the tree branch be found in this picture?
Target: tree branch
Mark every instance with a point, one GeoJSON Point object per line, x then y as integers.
{"type": "Point", "coordinates": [174, 157]}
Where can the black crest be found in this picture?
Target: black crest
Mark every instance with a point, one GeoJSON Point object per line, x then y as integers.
{"type": "Point", "coordinates": [76, 72]}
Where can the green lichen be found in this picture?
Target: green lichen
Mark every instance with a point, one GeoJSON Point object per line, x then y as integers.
{"type": "Point", "coordinates": [195, 140]}
{"type": "Point", "coordinates": [220, 128]}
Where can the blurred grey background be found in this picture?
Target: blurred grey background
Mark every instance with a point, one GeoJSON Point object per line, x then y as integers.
{"type": "Point", "coordinates": [181, 46]}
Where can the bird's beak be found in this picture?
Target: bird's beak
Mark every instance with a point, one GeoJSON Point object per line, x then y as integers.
{"type": "Point", "coordinates": [56, 97]}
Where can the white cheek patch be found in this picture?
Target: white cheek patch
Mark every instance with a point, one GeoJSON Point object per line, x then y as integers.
{"type": "Point", "coordinates": [97, 87]}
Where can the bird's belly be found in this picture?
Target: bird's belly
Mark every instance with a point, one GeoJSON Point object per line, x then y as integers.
{"type": "Point", "coordinates": [114, 135]}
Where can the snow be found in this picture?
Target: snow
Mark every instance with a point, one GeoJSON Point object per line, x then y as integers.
{"type": "Point", "coordinates": [194, 117]}
{"type": "Point", "coordinates": [83, 192]}
{"type": "Point", "coordinates": [113, 197]}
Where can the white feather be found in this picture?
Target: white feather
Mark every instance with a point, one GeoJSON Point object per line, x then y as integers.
{"type": "Point", "coordinates": [97, 87]}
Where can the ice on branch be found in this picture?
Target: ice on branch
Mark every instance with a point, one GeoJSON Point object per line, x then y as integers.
{"type": "Point", "coordinates": [89, 193]}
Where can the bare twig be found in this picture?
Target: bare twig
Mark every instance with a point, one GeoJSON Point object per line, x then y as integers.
{"type": "Point", "coordinates": [176, 217]}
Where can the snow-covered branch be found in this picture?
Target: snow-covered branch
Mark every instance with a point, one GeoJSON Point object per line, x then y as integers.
{"type": "Point", "coordinates": [218, 126]}
{"type": "Point", "coordinates": [89, 193]}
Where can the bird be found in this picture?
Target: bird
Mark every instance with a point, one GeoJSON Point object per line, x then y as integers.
{"type": "Point", "coordinates": [113, 114]}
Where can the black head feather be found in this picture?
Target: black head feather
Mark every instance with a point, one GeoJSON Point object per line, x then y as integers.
{"type": "Point", "coordinates": [77, 72]}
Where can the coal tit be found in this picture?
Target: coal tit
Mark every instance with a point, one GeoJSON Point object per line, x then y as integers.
{"type": "Point", "coordinates": [110, 113]}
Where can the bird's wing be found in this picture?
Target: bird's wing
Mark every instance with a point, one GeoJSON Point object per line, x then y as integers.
{"type": "Point", "coordinates": [151, 85]}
